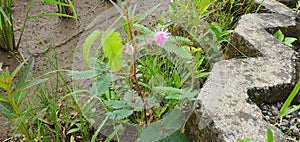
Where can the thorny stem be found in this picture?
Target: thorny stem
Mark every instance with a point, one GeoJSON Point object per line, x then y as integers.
{"type": "Point", "coordinates": [133, 73]}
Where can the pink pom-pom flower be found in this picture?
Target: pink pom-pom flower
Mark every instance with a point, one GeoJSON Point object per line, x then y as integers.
{"type": "Point", "coordinates": [161, 38]}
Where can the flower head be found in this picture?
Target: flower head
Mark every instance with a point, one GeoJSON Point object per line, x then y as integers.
{"type": "Point", "coordinates": [129, 49]}
{"type": "Point", "coordinates": [161, 38]}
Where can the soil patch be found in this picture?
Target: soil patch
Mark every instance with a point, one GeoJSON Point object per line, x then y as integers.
{"type": "Point", "coordinates": [48, 37]}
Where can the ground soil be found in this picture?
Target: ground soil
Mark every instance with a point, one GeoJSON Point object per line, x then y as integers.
{"type": "Point", "coordinates": [48, 36]}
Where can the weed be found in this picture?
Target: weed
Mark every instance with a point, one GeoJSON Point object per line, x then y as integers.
{"type": "Point", "coordinates": [286, 40]}
{"type": "Point", "coordinates": [11, 101]}
{"type": "Point", "coordinates": [157, 81]}
{"type": "Point", "coordinates": [66, 9]}
{"type": "Point", "coordinates": [7, 36]}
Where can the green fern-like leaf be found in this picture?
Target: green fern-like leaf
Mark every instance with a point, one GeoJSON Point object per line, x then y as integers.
{"type": "Point", "coordinates": [119, 114]}
{"type": "Point", "coordinates": [112, 48]}
{"type": "Point", "coordinates": [101, 85]}
{"type": "Point", "coordinates": [115, 104]}
{"type": "Point", "coordinates": [143, 29]}
{"type": "Point", "coordinates": [87, 74]}
{"type": "Point", "coordinates": [169, 47]}
{"type": "Point", "coordinates": [88, 43]}
{"type": "Point", "coordinates": [181, 40]}
{"type": "Point", "coordinates": [137, 105]}
{"type": "Point", "coordinates": [29, 84]}
{"type": "Point", "coordinates": [99, 65]}
{"type": "Point", "coordinates": [170, 90]}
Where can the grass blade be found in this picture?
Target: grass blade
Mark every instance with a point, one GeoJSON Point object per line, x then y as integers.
{"type": "Point", "coordinates": [270, 137]}
{"type": "Point", "coordinates": [5, 15]}
{"type": "Point", "coordinates": [52, 15]}
{"type": "Point", "coordinates": [98, 130]}
{"type": "Point", "coordinates": [56, 2]}
{"type": "Point", "coordinates": [289, 99]}
{"type": "Point", "coordinates": [18, 68]}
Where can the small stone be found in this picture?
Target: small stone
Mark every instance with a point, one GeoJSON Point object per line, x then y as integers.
{"type": "Point", "coordinates": [288, 116]}
{"type": "Point", "coordinates": [279, 105]}
{"type": "Point", "coordinates": [285, 122]}
{"type": "Point", "coordinates": [269, 113]}
{"type": "Point", "coordinates": [296, 130]}
{"type": "Point", "coordinates": [292, 121]}
{"type": "Point", "coordinates": [274, 110]}
{"type": "Point", "coordinates": [267, 117]}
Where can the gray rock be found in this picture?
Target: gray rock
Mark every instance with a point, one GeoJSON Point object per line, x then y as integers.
{"type": "Point", "coordinates": [224, 111]}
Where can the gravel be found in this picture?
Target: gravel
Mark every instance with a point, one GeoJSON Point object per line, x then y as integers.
{"type": "Point", "coordinates": [289, 125]}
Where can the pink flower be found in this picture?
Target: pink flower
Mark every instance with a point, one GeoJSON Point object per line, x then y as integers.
{"type": "Point", "coordinates": [161, 38]}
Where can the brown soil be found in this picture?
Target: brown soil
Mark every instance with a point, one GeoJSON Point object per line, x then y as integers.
{"type": "Point", "coordinates": [48, 36]}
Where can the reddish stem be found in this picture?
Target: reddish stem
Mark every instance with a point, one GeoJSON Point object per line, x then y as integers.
{"type": "Point", "coordinates": [133, 74]}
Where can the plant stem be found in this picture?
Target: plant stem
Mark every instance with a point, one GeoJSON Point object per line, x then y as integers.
{"type": "Point", "coordinates": [24, 129]}
{"type": "Point", "coordinates": [23, 126]}
{"type": "Point", "coordinates": [133, 74]}
{"type": "Point", "coordinates": [24, 23]}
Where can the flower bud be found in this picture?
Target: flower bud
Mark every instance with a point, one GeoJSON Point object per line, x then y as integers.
{"type": "Point", "coordinates": [135, 32]}
{"type": "Point", "coordinates": [141, 124]}
{"type": "Point", "coordinates": [146, 94]}
{"type": "Point", "coordinates": [129, 62]}
{"type": "Point", "coordinates": [132, 99]}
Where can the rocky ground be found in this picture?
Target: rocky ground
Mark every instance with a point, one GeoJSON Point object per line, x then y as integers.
{"type": "Point", "coordinates": [289, 125]}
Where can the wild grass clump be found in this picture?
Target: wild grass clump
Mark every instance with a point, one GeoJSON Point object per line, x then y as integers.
{"type": "Point", "coordinates": [13, 97]}
{"type": "Point", "coordinates": [7, 37]}
{"type": "Point", "coordinates": [66, 9]}
{"type": "Point", "coordinates": [145, 78]}
{"type": "Point", "coordinates": [41, 109]}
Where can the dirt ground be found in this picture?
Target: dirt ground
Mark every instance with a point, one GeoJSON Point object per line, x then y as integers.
{"type": "Point", "coordinates": [43, 35]}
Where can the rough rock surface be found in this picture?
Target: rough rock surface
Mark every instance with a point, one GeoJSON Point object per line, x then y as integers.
{"type": "Point", "coordinates": [225, 108]}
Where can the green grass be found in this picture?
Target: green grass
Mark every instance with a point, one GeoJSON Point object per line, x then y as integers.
{"type": "Point", "coordinates": [66, 9]}
{"type": "Point", "coordinates": [7, 36]}
{"type": "Point", "coordinates": [8, 41]}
